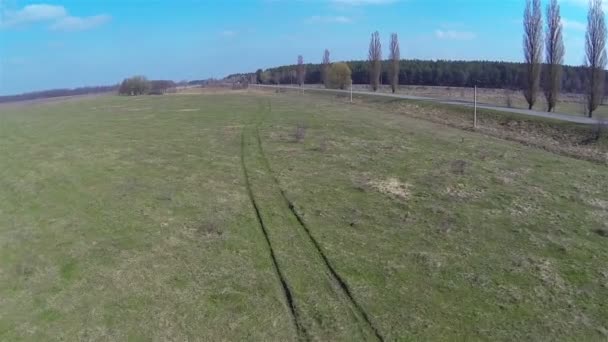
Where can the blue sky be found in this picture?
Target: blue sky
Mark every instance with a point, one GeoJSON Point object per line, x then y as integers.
{"type": "Point", "coordinates": [70, 43]}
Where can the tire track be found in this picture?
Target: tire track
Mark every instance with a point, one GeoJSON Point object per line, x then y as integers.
{"type": "Point", "coordinates": [336, 277]}
{"type": "Point", "coordinates": [301, 330]}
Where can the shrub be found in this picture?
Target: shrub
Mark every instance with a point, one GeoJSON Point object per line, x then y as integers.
{"type": "Point", "coordinates": [136, 85]}
{"type": "Point", "coordinates": [339, 76]}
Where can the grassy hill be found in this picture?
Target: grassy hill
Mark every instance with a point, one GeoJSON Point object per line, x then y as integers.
{"type": "Point", "coordinates": [263, 216]}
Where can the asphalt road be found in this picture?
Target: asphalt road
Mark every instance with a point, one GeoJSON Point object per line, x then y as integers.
{"type": "Point", "coordinates": [560, 117]}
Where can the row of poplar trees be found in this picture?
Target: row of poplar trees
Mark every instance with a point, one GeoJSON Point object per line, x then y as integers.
{"type": "Point", "coordinates": [539, 74]}
{"type": "Point", "coordinates": [374, 60]}
{"type": "Point", "coordinates": [547, 76]}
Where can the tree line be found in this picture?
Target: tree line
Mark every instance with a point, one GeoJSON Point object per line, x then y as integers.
{"type": "Point", "coordinates": [137, 85]}
{"type": "Point", "coordinates": [57, 93]}
{"type": "Point", "coordinates": [140, 85]}
{"type": "Point", "coordinates": [486, 74]}
{"type": "Point", "coordinates": [533, 75]}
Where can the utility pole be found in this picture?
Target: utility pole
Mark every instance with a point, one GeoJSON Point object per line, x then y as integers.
{"type": "Point", "coordinates": [475, 112]}
{"type": "Point", "coordinates": [351, 92]}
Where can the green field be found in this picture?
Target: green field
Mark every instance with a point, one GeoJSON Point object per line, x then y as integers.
{"type": "Point", "coordinates": [280, 217]}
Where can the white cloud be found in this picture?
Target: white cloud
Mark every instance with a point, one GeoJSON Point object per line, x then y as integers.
{"type": "Point", "coordinates": [33, 14]}
{"type": "Point", "coordinates": [455, 35]}
{"type": "Point", "coordinates": [363, 2]}
{"type": "Point", "coordinates": [329, 19]}
{"type": "Point", "coordinates": [57, 16]}
{"type": "Point", "coordinates": [573, 25]}
{"type": "Point", "coordinates": [70, 23]}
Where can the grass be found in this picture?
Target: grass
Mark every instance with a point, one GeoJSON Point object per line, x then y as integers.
{"type": "Point", "coordinates": [202, 217]}
{"type": "Point", "coordinates": [571, 139]}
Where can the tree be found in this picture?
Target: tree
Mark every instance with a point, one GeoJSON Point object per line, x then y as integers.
{"type": "Point", "coordinates": [533, 41]}
{"type": "Point", "coordinates": [259, 76]}
{"type": "Point", "coordinates": [375, 61]}
{"type": "Point", "coordinates": [595, 49]}
{"type": "Point", "coordinates": [136, 85]}
{"type": "Point", "coordinates": [159, 87]}
{"type": "Point", "coordinates": [265, 77]}
{"type": "Point", "coordinates": [301, 70]}
{"type": "Point", "coordinates": [325, 67]}
{"type": "Point", "coordinates": [394, 58]}
{"type": "Point", "coordinates": [339, 76]}
{"type": "Point", "coordinates": [555, 55]}
{"type": "Point", "coordinates": [124, 88]}
{"type": "Point", "coordinates": [293, 75]}
{"type": "Point", "coordinates": [276, 77]}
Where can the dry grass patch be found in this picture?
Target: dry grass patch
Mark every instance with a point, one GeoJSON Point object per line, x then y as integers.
{"type": "Point", "coordinates": [599, 211]}
{"type": "Point", "coordinates": [598, 203]}
{"type": "Point", "coordinates": [392, 187]}
{"type": "Point", "coordinates": [461, 192]}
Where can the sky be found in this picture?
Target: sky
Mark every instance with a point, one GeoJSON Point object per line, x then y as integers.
{"type": "Point", "coordinates": [47, 44]}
